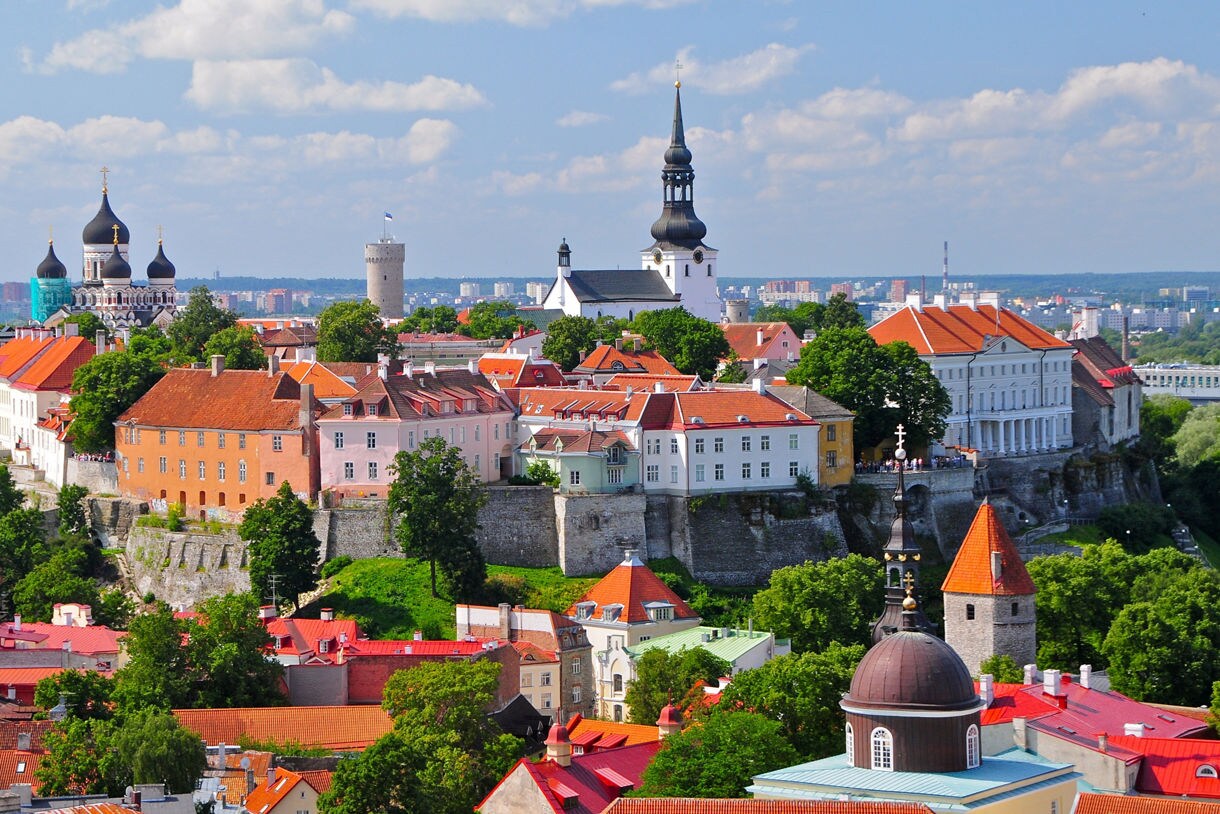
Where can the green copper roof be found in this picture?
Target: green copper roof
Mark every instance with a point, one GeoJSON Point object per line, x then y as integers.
{"type": "Point", "coordinates": [728, 647]}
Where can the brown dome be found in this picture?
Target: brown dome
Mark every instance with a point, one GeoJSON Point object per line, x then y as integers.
{"type": "Point", "coordinates": [911, 670]}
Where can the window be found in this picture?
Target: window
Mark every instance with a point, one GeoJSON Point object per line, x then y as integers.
{"type": "Point", "coordinates": [745, 472]}
{"type": "Point", "coordinates": [794, 441]}
{"type": "Point", "coordinates": [764, 469]}
{"type": "Point", "coordinates": [831, 432]}
{"type": "Point", "coordinates": [220, 440]}
{"type": "Point", "coordinates": [699, 477]}
{"type": "Point", "coordinates": [220, 471]}
{"type": "Point", "coordinates": [576, 695]}
{"type": "Point", "coordinates": [241, 440]}
{"type": "Point", "coordinates": [527, 680]}
{"type": "Point", "coordinates": [851, 745]}
{"type": "Point", "coordinates": [718, 445]}
{"type": "Point", "coordinates": [618, 682]}
{"type": "Point", "coordinates": [546, 679]}
{"type": "Point", "coordinates": [372, 470]}
{"type": "Point", "coordinates": [411, 439]}
{"type": "Point", "coordinates": [203, 470]}
{"type": "Point", "coordinates": [162, 434]}
{"type": "Point", "coordinates": [972, 747]}
{"type": "Point", "coordinates": [614, 456]}
{"type": "Point", "coordinates": [652, 473]}
{"type": "Point", "coordinates": [199, 439]}
{"type": "Point", "coordinates": [349, 470]}
{"type": "Point", "coordinates": [653, 446]}
{"type": "Point", "coordinates": [832, 459]}
{"type": "Point", "coordinates": [495, 431]}
{"type": "Point", "coordinates": [140, 466]}
{"type": "Point", "coordinates": [181, 438]}
{"type": "Point", "coordinates": [764, 443]}
{"type": "Point", "coordinates": [277, 443]}
{"type": "Point", "coordinates": [745, 443]}
{"type": "Point", "coordinates": [181, 469]}
{"type": "Point", "coordinates": [338, 440]}
{"type": "Point", "coordinates": [794, 468]}
{"type": "Point", "coordinates": [969, 611]}
{"type": "Point", "coordinates": [1206, 770]}
{"type": "Point", "coordinates": [698, 446]}
{"type": "Point", "coordinates": [574, 477]}
{"type": "Point", "coordinates": [1016, 608]}
{"type": "Point", "coordinates": [673, 473]}
{"type": "Point", "coordinates": [372, 409]}
{"type": "Point", "coordinates": [162, 465]}
{"type": "Point", "coordinates": [546, 700]}
{"type": "Point", "coordinates": [576, 667]}
{"type": "Point", "coordinates": [718, 472]}
{"type": "Point", "coordinates": [241, 471]}
{"type": "Point", "coordinates": [883, 750]}
{"type": "Point", "coordinates": [477, 433]}
{"type": "Point", "coordinates": [614, 476]}
{"type": "Point", "coordinates": [673, 446]}
{"type": "Point", "coordinates": [270, 479]}
{"type": "Point", "coordinates": [370, 440]}
{"type": "Point", "coordinates": [347, 409]}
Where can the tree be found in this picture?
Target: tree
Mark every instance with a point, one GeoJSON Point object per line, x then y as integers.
{"type": "Point", "coordinates": [114, 609]}
{"type": "Point", "coordinates": [157, 672]}
{"type": "Point", "coordinates": [839, 312]}
{"type": "Point", "coordinates": [80, 759]}
{"type": "Point", "coordinates": [352, 332]}
{"type": "Point", "coordinates": [661, 676]}
{"type": "Point", "coordinates": [717, 758]}
{"type": "Point", "coordinates": [801, 692]}
{"type": "Point", "coordinates": [227, 655]}
{"type": "Point", "coordinates": [108, 384]}
{"type": "Point", "coordinates": [1003, 668]}
{"type": "Point", "coordinates": [11, 497]}
{"type": "Point", "coordinates": [885, 386]}
{"type": "Point", "coordinates": [195, 324]}
{"type": "Point", "coordinates": [1198, 439]}
{"type": "Point", "coordinates": [488, 320]}
{"type": "Point", "coordinates": [694, 345]}
{"type": "Point", "coordinates": [433, 504]}
{"type": "Point", "coordinates": [59, 579]}
{"type": "Point", "coordinates": [152, 746]}
{"type": "Point", "coordinates": [1137, 526]}
{"type": "Point", "coordinates": [817, 603]}
{"type": "Point", "coordinates": [566, 338]}
{"type": "Point", "coordinates": [85, 693]}
{"type": "Point", "coordinates": [238, 346]}
{"type": "Point", "coordinates": [1161, 416]}
{"type": "Point", "coordinates": [441, 319]}
{"type": "Point", "coordinates": [282, 543]}
{"type": "Point", "coordinates": [88, 324]}
{"type": "Point", "coordinates": [73, 522]}
{"type": "Point", "coordinates": [22, 544]}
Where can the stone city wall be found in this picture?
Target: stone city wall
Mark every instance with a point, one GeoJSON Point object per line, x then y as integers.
{"type": "Point", "coordinates": [184, 568]}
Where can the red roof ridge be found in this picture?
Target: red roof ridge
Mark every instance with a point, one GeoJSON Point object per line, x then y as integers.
{"type": "Point", "coordinates": [973, 569]}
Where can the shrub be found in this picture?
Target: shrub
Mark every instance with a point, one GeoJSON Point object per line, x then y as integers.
{"type": "Point", "coordinates": [540, 472]}
{"type": "Point", "coordinates": [173, 517]}
{"type": "Point", "coordinates": [334, 566]}
{"type": "Point", "coordinates": [510, 588]}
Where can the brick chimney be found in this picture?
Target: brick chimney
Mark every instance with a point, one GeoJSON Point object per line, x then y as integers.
{"type": "Point", "coordinates": [218, 364]}
{"type": "Point", "coordinates": [273, 365]}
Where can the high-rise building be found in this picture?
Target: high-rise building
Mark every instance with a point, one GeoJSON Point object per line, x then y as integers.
{"type": "Point", "coordinates": [468, 290]}
{"type": "Point", "coordinates": [503, 290]}
{"type": "Point", "coordinates": [383, 263]}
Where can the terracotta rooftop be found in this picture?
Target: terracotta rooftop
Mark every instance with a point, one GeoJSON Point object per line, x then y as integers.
{"type": "Point", "coordinates": [318, 779]}
{"type": "Point", "coordinates": [609, 359]}
{"type": "Point", "coordinates": [649, 381]}
{"type": "Point", "coordinates": [420, 395]}
{"type": "Point", "coordinates": [18, 766]}
{"type": "Point", "coordinates": [340, 728]}
{"type": "Point", "coordinates": [92, 808]}
{"type": "Point", "coordinates": [92, 640]}
{"type": "Point", "coordinates": [1175, 767]}
{"type": "Point", "coordinates": [577, 404]}
{"type": "Point", "coordinates": [1091, 803]}
{"type": "Point", "coordinates": [971, 572]}
{"type": "Point", "coordinates": [959, 329]}
{"type": "Point", "coordinates": [583, 787]}
{"type": "Point", "coordinates": [576, 440]}
{"type": "Point", "coordinates": [519, 370]}
{"type": "Point", "coordinates": [17, 354]}
{"type": "Point", "coordinates": [326, 383]}
{"type": "Point", "coordinates": [53, 369]}
{"type": "Point", "coordinates": [269, 794]}
{"type": "Point", "coordinates": [591, 730]}
{"type": "Point", "coordinates": [633, 586]}
{"type": "Point", "coordinates": [694, 805]}
{"type": "Point", "coordinates": [249, 400]}
{"type": "Point", "coordinates": [724, 408]}
{"type": "Point", "coordinates": [743, 338]}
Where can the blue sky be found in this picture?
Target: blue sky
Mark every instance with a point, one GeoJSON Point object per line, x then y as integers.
{"type": "Point", "coordinates": [841, 140]}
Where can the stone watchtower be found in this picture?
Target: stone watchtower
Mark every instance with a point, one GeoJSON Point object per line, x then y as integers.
{"type": "Point", "coordinates": [383, 264]}
{"type": "Point", "coordinates": [989, 596]}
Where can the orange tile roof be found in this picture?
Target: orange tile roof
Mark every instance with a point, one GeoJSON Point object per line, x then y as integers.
{"type": "Point", "coordinates": [1090, 803]}
{"type": "Point", "coordinates": [93, 808]}
{"type": "Point", "coordinates": [341, 728]}
{"type": "Point", "coordinates": [520, 370]}
{"type": "Point", "coordinates": [576, 440]}
{"type": "Point", "coordinates": [959, 329]}
{"type": "Point", "coordinates": [19, 766]}
{"type": "Point", "coordinates": [632, 584]}
{"type": "Point", "coordinates": [578, 725]}
{"type": "Point", "coordinates": [318, 779]}
{"type": "Point", "coordinates": [545, 402]}
{"type": "Point", "coordinates": [609, 359]}
{"type": "Point", "coordinates": [326, 383]}
{"type": "Point", "coordinates": [725, 407]}
{"type": "Point", "coordinates": [249, 400]}
{"type": "Point", "coordinates": [533, 654]}
{"type": "Point", "coordinates": [692, 805]}
{"type": "Point", "coordinates": [971, 569]}
{"type": "Point", "coordinates": [53, 369]}
{"type": "Point", "coordinates": [18, 676]}
{"type": "Point", "coordinates": [268, 795]}
{"type": "Point", "coordinates": [743, 338]}
{"type": "Point", "coordinates": [648, 381]}
{"type": "Point", "coordinates": [17, 354]}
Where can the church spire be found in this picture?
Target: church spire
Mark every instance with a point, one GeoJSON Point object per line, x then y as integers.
{"type": "Point", "coordinates": [678, 225]}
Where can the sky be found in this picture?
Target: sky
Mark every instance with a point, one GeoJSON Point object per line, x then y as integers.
{"type": "Point", "coordinates": [269, 137]}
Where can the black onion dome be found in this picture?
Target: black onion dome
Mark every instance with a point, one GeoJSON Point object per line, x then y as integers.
{"type": "Point", "coordinates": [116, 267]}
{"type": "Point", "coordinates": [100, 230]}
{"type": "Point", "coordinates": [678, 224]}
{"type": "Point", "coordinates": [912, 670]}
{"type": "Point", "coordinates": [563, 247]}
{"type": "Point", "coordinates": [51, 268]}
{"type": "Point", "coordinates": [160, 268]}
{"type": "Point", "coordinates": [678, 154]}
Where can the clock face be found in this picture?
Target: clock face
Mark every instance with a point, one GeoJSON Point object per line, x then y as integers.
{"type": "Point", "coordinates": [698, 256]}
{"type": "Point", "coordinates": [656, 257]}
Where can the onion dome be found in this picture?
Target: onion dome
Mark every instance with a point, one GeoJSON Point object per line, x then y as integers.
{"type": "Point", "coordinates": [678, 224]}
{"type": "Point", "coordinates": [116, 267]}
{"type": "Point", "coordinates": [912, 670]}
{"type": "Point", "coordinates": [100, 230]}
{"type": "Point", "coordinates": [160, 268]}
{"type": "Point", "coordinates": [50, 268]}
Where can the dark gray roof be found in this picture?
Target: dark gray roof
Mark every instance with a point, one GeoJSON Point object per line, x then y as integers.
{"type": "Point", "coordinates": [809, 402]}
{"type": "Point", "coordinates": [619, 285]}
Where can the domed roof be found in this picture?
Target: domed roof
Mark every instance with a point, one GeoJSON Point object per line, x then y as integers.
{"type": "Point", "coordinates": [116, 267]}
{"type": "Point", "coordinates": [911, 670]}
{"type": "Point", "coordinates": [557, 735]}
{"type": "Point", "coordinates": [50, 268]}
{"type": "Point", "coordinates": [160, 268]}
{"type": "Point", "coordinates": [100, 230]}
{"type": "Point", "coordinates": [670, 716]}
{"type": "Point", "coordinates": [678, 224]}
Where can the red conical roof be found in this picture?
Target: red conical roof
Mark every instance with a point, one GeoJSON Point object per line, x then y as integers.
{"type": "Point", "coordinates": [971, 572]}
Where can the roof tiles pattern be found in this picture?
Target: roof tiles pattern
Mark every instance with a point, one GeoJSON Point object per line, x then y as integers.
{"type": "Point", "coordinates": [693, 805]}
{"type": "Point", "coordinates": [722, 408]}
{"type": "Point", "coordinates": [1090, 803]}
{"type": "Point", "coordinates": [959, 329]}
{"type": "Point", "coordinates": [342, 728]}
{"type": "Point", "coordinates": [609, 359]}
{"type": "Point", "coordinates": [743, 337]}
{"type": "Point", "coordinates": [592, 730]}
{"type": "Point", "coordinates": [631, 584]}
{"type": "Point", "coordinates": [971, 572]}
{"type": "Point", "coordinates": [54, 367]}
{"type": "Point", "coordinates": [326, 383]}
{"type": "Point", "coordinates": [249, 400]}
{"type": "Point", "coordinates": [268, 794]}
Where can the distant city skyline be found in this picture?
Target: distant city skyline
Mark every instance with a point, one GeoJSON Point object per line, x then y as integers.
{"type": "Point", "coordinates": [270, 137]}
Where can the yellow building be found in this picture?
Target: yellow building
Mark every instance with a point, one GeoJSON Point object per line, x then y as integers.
{"type": "Point", "coordinates": [836, 464]}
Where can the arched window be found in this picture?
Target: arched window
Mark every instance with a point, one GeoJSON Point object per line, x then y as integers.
{"type": "Point", "coordinates": [851, 746]}
{"type": "Point", "coordinates": [972, 747]}
{"type": "Point", "coordinates": [1206, 770]}
{"type": "Point", "coordinates": [883, 749]}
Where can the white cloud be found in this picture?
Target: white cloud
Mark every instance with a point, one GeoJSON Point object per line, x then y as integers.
{"type": "Point", "coordinates": [513, 12]}
{"type": "Point", "coordinates": [202, 29]}
{"type": "Point", "coordinates": [740, 74]}
{"type": "Point", "coordinates": [514, 184]}
{"type": "Point", "coordinates": [580, 118]}
{"type": "Point", "coordinates": [428, 139]}
{"type": "Point", "coordinates": [298, 85]}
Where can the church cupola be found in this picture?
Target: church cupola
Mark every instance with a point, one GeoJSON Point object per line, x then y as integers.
{"type": "Point", "coordinates": [678, 225]}
{"type": "Point", "coordinates": [565, 257]}
{"type": "Point", "coordinates": [161, 271]}
{"type": "Point", "coordinates": [51, 268]}
{"type": "Point", "coordinates": [116, 271]}
{"type": "Point", "coordinates": [100, 230]}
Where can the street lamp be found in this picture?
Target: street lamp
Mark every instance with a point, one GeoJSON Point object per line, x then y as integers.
{"type": "Point", "coordinates": [1128, 539]}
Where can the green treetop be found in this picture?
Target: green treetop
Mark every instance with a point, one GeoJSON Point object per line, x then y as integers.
{"type": "Point", "coordinates": [196, 323]}
{"type": "Point", "coordinates": [352, 332]}
{"type": "Point", "coordinates": [282, 544]}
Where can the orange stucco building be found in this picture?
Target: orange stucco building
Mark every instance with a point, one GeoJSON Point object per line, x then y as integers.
{"type": "Point", "coordinates": [216, 440]}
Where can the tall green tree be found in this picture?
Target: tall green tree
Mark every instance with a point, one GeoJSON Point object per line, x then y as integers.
{"type": "Point", "coordinates": [80, 759]}
{"type": "Point", "coordinates": [88, 324]}
{"type": "Point", "coordinates": [157, 673]}
{"type": "Point", "coordinates": [694, 345]}
{"type": "Point", "coordinates": [239, 346]}
{"type": "Point", "coordinates": [23, 544]}
{"type": "Point", "coordinates": [352, 332]}
{"type": "Point", "coordinates": [11, 497]}
{"type": "Point", "coordinates": [62, 578]}
{"type": "Point", "coordinates": [567, 337]}
{"type": "Point", "coordinates": [1198, 438]}
{"type": "Point", "coordinates": [661, 676]}
{"type": "Point", "coordinates": [839, 312]}
{"type": "Point", "coordinates": [154, 748]}
{"type": "Point", "coordinates": [85, 693]}
{"type": "Point", "coordinates": [196, 323]}
{"type": "Point", "coordinates": [108, 384]}
{"type": "Point", "coordinates": [817, 603]}
{"type": "Point", "coordinates": [718, 757]}
{"type": "Point", "coordinates": [282, 544]}
{"type": "Point", "coordinates": [73, 520]}
{"type": "Point", "coordinates": [802, 693]}
{"type": "Point", "coordinates": [433, 504]}
{"type": "Point", "coordinates": [1161, 416]}
{"type": "Point", "coordinates": [441, 319]}
{"type": "Point", "coordinates": [227, 655]}
{"type": "Point", "coordinates": [493, 320]}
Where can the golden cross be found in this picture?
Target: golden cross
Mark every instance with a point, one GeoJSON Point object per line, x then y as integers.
{"type": "Point", "coordinates": [909, 581]}
{"type": "Point", "coordinates": [104, 171]}
{"type": "Point", "coordinates": [901, 435]}
{"type": "Point", "coordinates": [116, 234]}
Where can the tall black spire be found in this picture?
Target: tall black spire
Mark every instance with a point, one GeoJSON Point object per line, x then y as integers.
{"type": "Point", "coordinates": [678, 225]}
{"type": "Point", "coordinates": [902, 557]}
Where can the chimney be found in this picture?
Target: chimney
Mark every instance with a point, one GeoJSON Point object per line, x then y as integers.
{"type": "Point", "coordinates": [759, 337]}
{"type": "Point", "coordinates": [759, 363]}
{"type": "Point", "coordinates": [1086, 676]}
{"type": "Point", "coordinates": [505, 619]}
{"type": "Point", "coordinates": [137, 798]}
{"type": "Point", "coordinates": [559, 746]}
{"type": "Point", "coordinates": [1103, 742]}
{"type": "Point", "coordinates": [23, 741]}
{"type": "Point", "coordinates": [987, 688]}
{"type": "Point", "coordinates": [250, 784]}
{"type": "Point", "coordinates": [1052, 683]}
{"type": "Point", "coordinates": [430, 368]}
{"type": "Point", "coordinates": [17, 622]}
{"type": "Point", "coordinates": [267, 612]}
{"type": "Point", "coordinates": [271, 773]}
{"type": "Point", "coordinates": [1133, 730]}
{"type": "Point", "coordinates": [383, 371]}
{"type": "Point", "coordinates": [1018, 733]}
{"type": "Point", "coordinates": [418, 636]}
{"type": "Point", "coordinates": [1126, 345]}
{"type": "Point", "coordinates": [327, 615]}
{"type": "Point", "coordinates": [618, 344]}
{"type": "Point", "coordinates": [12, 692]}
{"type": "Point", "coordinates": [658, 387]}
{"type": "Point", "coordinates": [305, 418]}
{"type": "Point", "coordinates": [99, 342]}
{"type": "Point", "coordinates": [581, 356]}
{"type": "Point", "coordinates": [25, 792]}
{"type": "Point", "coordinates": [1030, 671]}
{"type": "Point", "coordinates": [273, 365]}
{"type": "Point", "coordinates": [997, 566]}
{"type": "Point", "coordinates": [759, 386]}
{"type": "Point", "coordinates": [472, 366]}
{"type": "Point", "coordinates": [71, 329]}
{"type": "Point", "coordinates": [409, 370]}
{"type": "Point", "coordinates": [218, 364]}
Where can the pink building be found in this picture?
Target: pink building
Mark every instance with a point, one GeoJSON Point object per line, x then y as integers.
{"type": "Point", "coordinates": [360, 435]}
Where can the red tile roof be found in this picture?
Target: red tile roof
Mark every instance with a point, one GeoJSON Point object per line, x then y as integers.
{"type": "Point", "coordinates": [519, 370]}
{"type": "Point", "coordinates": [303, 637]}
{"type": "Point", "coordinates": [92, 808]}
{"type": "Point", "coordinates": [632, 585]}
{"type": "Point", "coordinates": [591, 731]}
{"type": "Point", "coordinates": [743, 338]}
{"type": "Point", "coordinates": [340, 728]}
{"type": "Point", "coordinates": [417, 647]}
{"type": "Point", "coordinates": [693, 805]}
{"type": "Point", "coordinates": [589, 793]}
{"type": "Point", "coordinates": [533, 654]}
{"type": "Point", "coordinates": [53, 369]}
{"type": "Point", "coordinates": [567, 403]}
{"type": "Point", "coordinates": [19, 766]}
{"type": "Point", "coordinates": [268, 795]}
{"type": "Point", "coordinates": [1171, 765]}
{"type": "Point", "coordinates": [19, 676]}
{"type": "Point", "coordinates": [1011, 701]}
{"type": "Point", "coordinates": [1090, 803]}
{"type": "Point", "coordinates": [959, 329]}
{"type": "Point", "coordinates": [93, 640]}
{"type": "Point", "coordinates": [971, 571]}
{"type": "Point", "coordinates": [421, 395]}
{"type": "Point", "coordinates": [609, 359]}
{"type": "Point", "coordinates": [17, 354]}
{"type": "Point", "coordinates": [318, 779]}
{"type": "Point", "coordinates": [647, 381]}
{"type": "Point", "coordinates": [249, 400]}
{"type": "Point", "coordinates": [326, 383]}
{"type": "Point", "coordinates": [725, 408]}
{"type": "Point", "coordinates": [574, 440]}
{"type": "Point", "coordinates": [9, 730]}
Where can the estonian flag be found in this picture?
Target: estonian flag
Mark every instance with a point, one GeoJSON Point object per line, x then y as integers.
{"type": "Point", "coordinates": [388, 216]}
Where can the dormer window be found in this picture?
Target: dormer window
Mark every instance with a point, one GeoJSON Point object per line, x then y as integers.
{"type": "Point", "coordinates": [584, 610]}
{"type": "Point", "coordinates": [372, 409]}
{"type": "Point", "coordinates": [1207, 770]}
{"type": "Point", "coordinates": [611, 613]}
{"type": "Point", "coordinates": [614, 456]}
{"type": "Point", "coordinates": [324, 645]}
{"type": "Point", "coordinates": [347, 409]}
{"type": "Point", "coordinates": [659, 611]}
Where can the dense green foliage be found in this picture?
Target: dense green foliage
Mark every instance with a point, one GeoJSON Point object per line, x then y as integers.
{"type": "Point", "coordinates": [837, 312]}
{"type": "Point", "coordinates": [1003, 668]}
{"type": "Point", "coordinates": [441, 319]}
{"type": "Point", "coordinates": [239, 347]}
{"type": "Point", "coordinates": [434, 503]}
{"type": "Point", "coordinates": [885, 385]}
{"type": "Point", "coordinates": [1138, 527]}
{"type": "Point", "coordinates": [818, 603]}
{"type": "Point", "coordinates": [88, 324]}
{"type": "Point", "coordinates": [195, 324]}
{"type": "Point", "coordinates": [283, 545]}
{"type": "Point", "coordinates": [662, 677]}
{"type": "Point", "coordinates": [569, 336]}
{"type": "Point", "coordinates": [352, 332]}
{"type": "Point", "coordinates": [718, 757]}
{"type": "Point", "coordinates": [493, 320]}
{"type": "Point", "coordinates": [693, 345]}
{"type": "Point", "coordinates": [108, 384]}
{"type": "Point", "coordinates": [1198, 341]}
